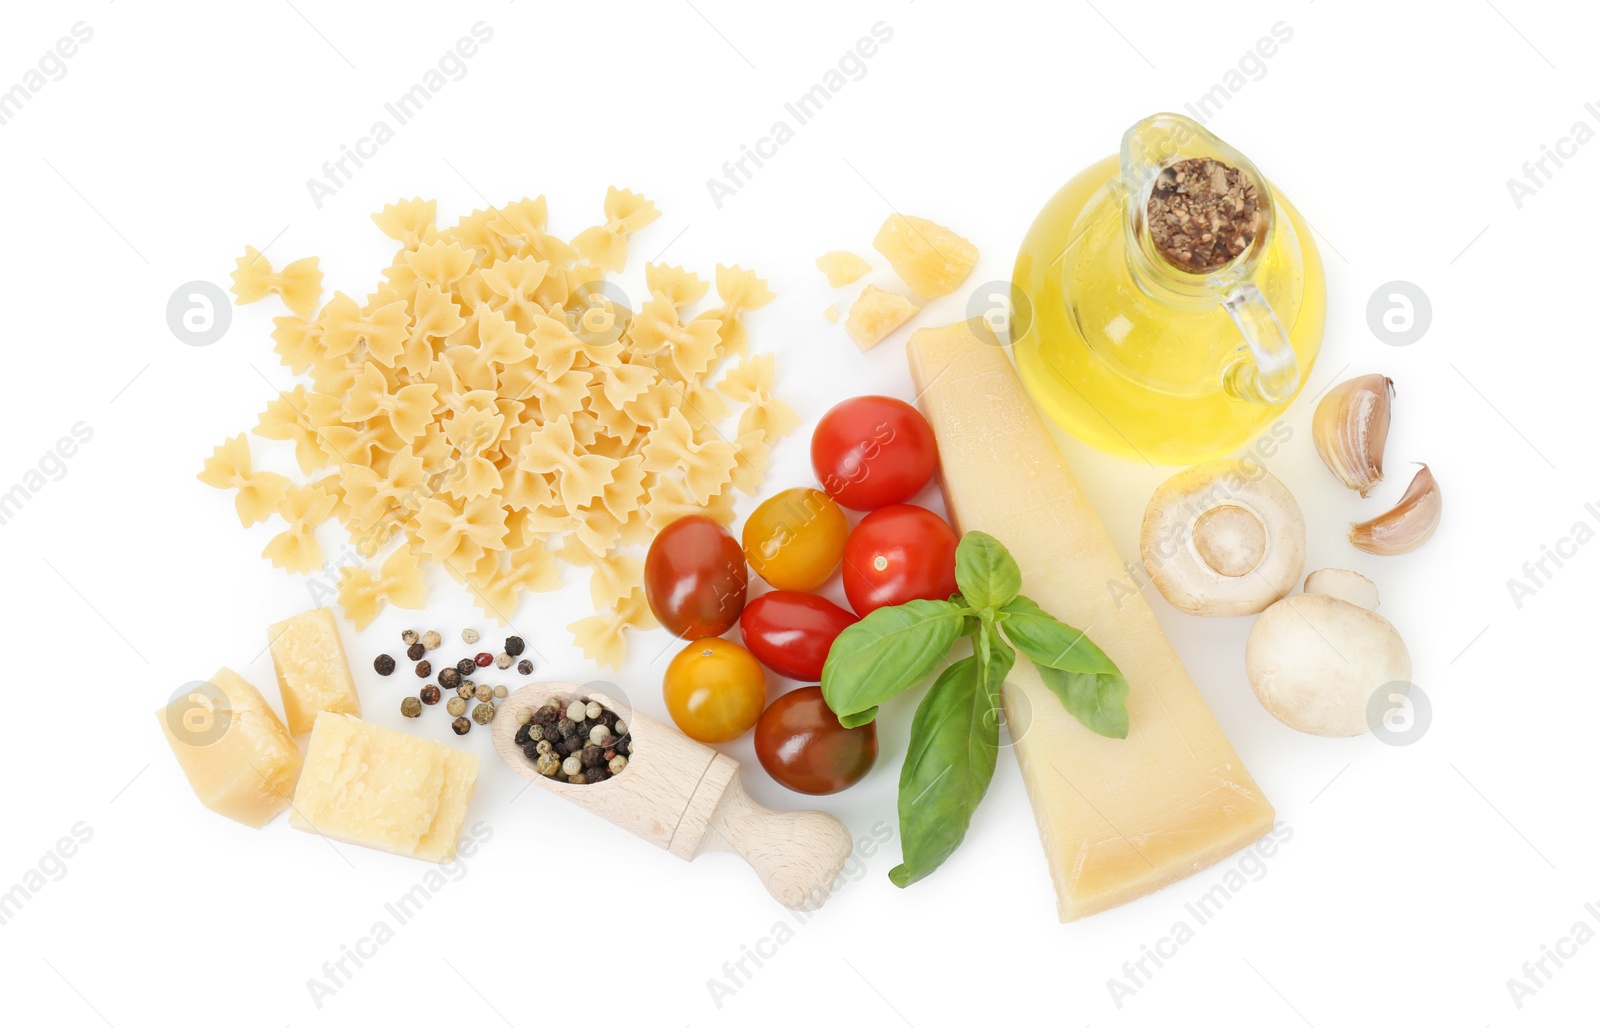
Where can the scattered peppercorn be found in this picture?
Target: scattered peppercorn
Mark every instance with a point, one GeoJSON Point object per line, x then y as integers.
{"type": "Point", "coordinates": [423, 669]}
{"type": "Point", "coordinates": [383, 664]}
{"type": "Point", "coordinates": [466, 666]}
{"type": "Point", "coordinates": [501, 692]}
{"type": "Point", "coordinates": [431, 640]}
{"type": "Point", "coordinates": [461, 726]}
{"type": "Point", "coordinates": [458, 706]}
{"type": "Point", "coordinates": [469, 636]}
{"type": "Point", "coordinates": [466, 690]}
{"type": "Point", "coordinates": [483, 713]}
{"type": "Point", "coordinates": [409, 636]}
{"type": "Point", "coordinates": [430, 694]}
{"type": "Point", "coordinates": [483, 659]}
{"type": "Point", "coordinates": [524, 667]}
{"type": "Point", "coordinates": [502, 661]}
{"type": "Point", "coordinates": [415, 651]}
{"type": "Point", "coordinates": [515, 645]}
{"type": "Point", "coordinates": [411, 707]}
{"type": "Point", "coordinates": [450, 678]}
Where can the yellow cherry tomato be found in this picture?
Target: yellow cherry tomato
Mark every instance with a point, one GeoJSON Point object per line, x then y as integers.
{"type": "Point", "coordinates": [715, 690]}
{"type": "Point", "coordinates": [795, 539]}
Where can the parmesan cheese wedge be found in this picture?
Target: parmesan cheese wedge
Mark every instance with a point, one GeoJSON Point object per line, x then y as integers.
{"type": "Point", "coordinates": [1119, 817]}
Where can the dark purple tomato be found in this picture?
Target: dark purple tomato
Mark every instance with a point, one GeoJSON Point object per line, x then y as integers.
{"type": "Point", "coordinates": [803, 747]}
{"type": "Point", "coordinates": [695, 577]}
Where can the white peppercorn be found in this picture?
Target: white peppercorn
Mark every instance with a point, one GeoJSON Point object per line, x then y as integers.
{"type": "Point", "coordinates": [501, 692]}
{"type": "Point", "coordinates": [617, 764]}
{"type": "Point", "coordinates": [599, 735]}
{"type": "Point", "coordinates": [503, 661]}
{"type": "Point", "coordinates": [483, 693]}
{"type": "Point", "coordinates": [456, 706]}
{"type": "Point", "coordinates": [469, 636]}
{"type": "Point", "coordinates": [431, 640]}
{"type": "Point", "coordinates": [577, 710]}
{"type": "Point", "coordinates": [573, 765]}
{"type": "Point", "coordinates": [592, 711]}
{"type": "Point", "coordinates": [524, 715]}
{"type": "Point", "coordinates": [551, 701]}
{"type": "Point", "coordinates": [621, 727]}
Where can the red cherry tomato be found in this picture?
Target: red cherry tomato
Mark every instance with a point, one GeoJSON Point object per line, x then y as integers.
{"type": "Point", "coordinates": [872, 451]}
{"type": "Point", "coordinates": [791, 632]}
{"type": "Point", "coordinates": [695, 578]}
{"type": "Point", "coordinates": [803, 747]}
{"type": "Point", "coordinates": [897, 554]}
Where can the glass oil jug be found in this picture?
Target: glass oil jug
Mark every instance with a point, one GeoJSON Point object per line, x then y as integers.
{"type": "Point", "coordinates": [1141, 355]}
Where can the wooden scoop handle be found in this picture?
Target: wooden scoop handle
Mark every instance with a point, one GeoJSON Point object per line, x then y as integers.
{"type": "Point", "coordinates": [797, 854]}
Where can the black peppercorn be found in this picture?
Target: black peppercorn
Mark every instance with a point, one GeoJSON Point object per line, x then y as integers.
{"type": "Point", "coordinates": [608, 719]}
{"type": "Point", "coordinates": [591, 775]}
{"type": "Point", "coordinates": [415, 651]}
{"type": "Point", "coordinates": [546, 716]}
{"type": "Point", "coordinates": [515, 645]}
{"type": "Point", "coordinates": [461, 725]}
{"type": "Point", "coordinates": [383, 665]}
{"type": "Point", "coordinates": [624, 745]}
{"type": "Point", "coordinates": [567, 727]}
{"type": "Point", "coordinates": [423, 669]}
{"type": "Point", "coordinates": [593, 756]}
{"type": "Point", "coordinates": [450, 678]}
{"type": "Point", "coordinates": [524, 667]}
{"type": "Point", "coordinates": [465, 666]}
{"type": "Point", "coordinates": [530, 751]}
{"type": "Point", "coordinates": [522, 738]}
{"type": "Point", "coordinates": [430, 694]}
{"type": "Point", "coordinates": [570, 746]}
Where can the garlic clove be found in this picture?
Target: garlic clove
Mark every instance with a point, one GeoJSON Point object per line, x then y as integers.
{"type": "Point", "coordinates": [1350, 427]}
{"type": "Point", "coordinates": [1405, 526]}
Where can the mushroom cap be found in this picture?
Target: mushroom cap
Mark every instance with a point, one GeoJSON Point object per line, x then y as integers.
{"type": "Point", "coordinates": [1315, 662]}
{"type": "Point", "coordinates": [1223, 537]}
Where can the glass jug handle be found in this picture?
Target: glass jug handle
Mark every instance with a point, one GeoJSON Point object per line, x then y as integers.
{"type": "Point", "coordinates": [1264, 370]}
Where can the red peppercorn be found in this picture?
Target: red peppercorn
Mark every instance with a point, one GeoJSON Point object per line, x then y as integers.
{"type": "Point", "coordinates": [483, 659]}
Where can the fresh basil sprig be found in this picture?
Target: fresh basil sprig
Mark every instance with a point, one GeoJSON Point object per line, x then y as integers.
{"type": "Point", "coordinates": [955, 734]}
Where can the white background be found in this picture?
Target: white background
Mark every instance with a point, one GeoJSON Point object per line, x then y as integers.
{"type": "Point", "coordinates": [1418, 879]}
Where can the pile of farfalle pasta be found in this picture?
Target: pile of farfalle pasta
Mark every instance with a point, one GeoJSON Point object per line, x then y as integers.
{"type": "Point", "coordinates": [495, 407]}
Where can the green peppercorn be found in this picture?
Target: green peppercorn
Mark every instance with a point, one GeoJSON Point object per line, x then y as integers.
{"type": "Point", "coordinates": [483, 713]}
{"type": "Point", "coordinates": [411, 707]}
{"type": "Point", "coordinates": [543, 747]}
{"type": "Point", "coordinates": [547, 765]}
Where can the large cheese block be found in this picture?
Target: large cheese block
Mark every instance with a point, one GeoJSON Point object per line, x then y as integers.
{"type": "Point", "coordinates": [238, 757]}
{"type": "Point", "coordinates": [377, 787]}
{"type": "Point", "coordinates": [1119, 817]}
{"type": "Point", "coordinates": [313, 674]}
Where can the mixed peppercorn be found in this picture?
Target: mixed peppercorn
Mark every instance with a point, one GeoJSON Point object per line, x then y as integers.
{"type": "Point", "coordinates": [581, 741]}
{"type": "Point", "coordinates": [454, 679]}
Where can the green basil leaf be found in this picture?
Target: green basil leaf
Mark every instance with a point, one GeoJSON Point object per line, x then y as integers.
{"type": "Point", "coordinates": [1099, 701]}
{"type": "Point", "coordinates": [987, 575]}
{"type": "Point", "coordinates": [955, 740]}
{"type": "Point", "coordinates": [886, 653]}
{"type": "Point", "coordinates": [1085, 680]}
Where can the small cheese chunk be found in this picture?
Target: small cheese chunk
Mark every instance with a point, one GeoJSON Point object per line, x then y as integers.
{"type": "Point", "coordinates": [1119, 817]}
{"type": "Point", "coordinates": [238, 757]}
{"type": "Point", "coordinates": [875, 314]}
{"type": "Point", "coordinates": [842, 267]}
{"type": "Point", "coordinates": [313, 674]}
{"type": "Point", "coordinates": [928, 257]}
{"type": "Point", "coordinates": [377, 787]}
{"type": "Point", "coordinates": [832, 314]}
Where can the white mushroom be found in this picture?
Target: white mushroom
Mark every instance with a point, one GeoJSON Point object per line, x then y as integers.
{"type": "Point", "coordinates": [1224, 537]}
{"type": "Point", "coordinates": [1316, 660]}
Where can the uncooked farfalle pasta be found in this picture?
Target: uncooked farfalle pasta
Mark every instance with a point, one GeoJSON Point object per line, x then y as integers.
{"type": "Point", "coordinates": [495, 407]}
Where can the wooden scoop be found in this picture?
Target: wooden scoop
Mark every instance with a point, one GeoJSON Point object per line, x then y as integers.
{"type": "Point", "coordinates": [686, 798]}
